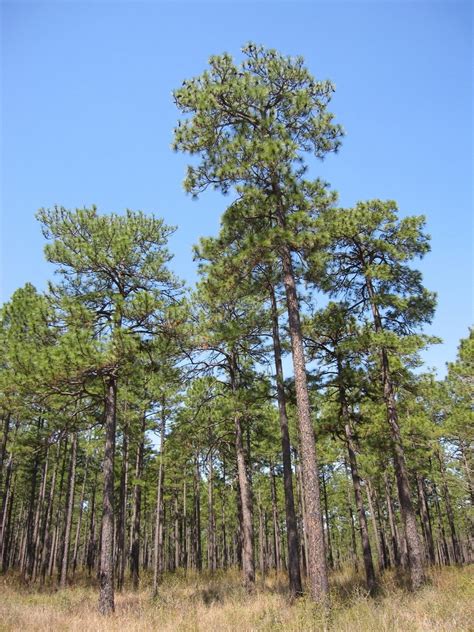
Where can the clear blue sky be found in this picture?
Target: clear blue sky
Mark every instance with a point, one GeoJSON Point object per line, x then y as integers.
{"type": "Point", "coordinates": [87, 118]}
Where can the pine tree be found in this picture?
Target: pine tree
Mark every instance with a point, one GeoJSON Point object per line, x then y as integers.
{"type": "Point", "coordinates": [251, 126]}
{"type": "Point", "coordinates": [115, 268]}
{"type": "Point", "coordinates": [369, 249]}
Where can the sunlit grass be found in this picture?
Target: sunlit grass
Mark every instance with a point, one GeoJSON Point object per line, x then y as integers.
{"type": "Point", "coordinates": [218, 603]}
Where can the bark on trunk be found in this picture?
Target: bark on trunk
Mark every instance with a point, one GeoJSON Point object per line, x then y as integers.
{"type": "Point", "coordinates": [248, 564]}
{"type": "Point", "coordinates": [137, 500]}
{"type": "Point", "coordinates": [197, 548]}
{"type": "Point", "coordinates": [316, 562]}
{"type": "Point", "coordinates": [122, 515]}
{"type": "Point", "coordinates": [328, 524]}
{"type": "Point", "coordinates": [415, 557]}
{"type": "Point", "coordinates": [3, 443]}
{"type": "Point", "coordinates": [276, 522]}
{"type": "Point", "coordinates": [79, 519]}
{"type": "Point", "coordinates": [294, 574]}
{"type": "Point", "coordinates": [69, 512]}
{"type": "Point", "coordinates": [211, 527]}
{"type": "Point", "coordinates": [106, 573]}
{"type": "Point", "coordinates": [426, 520]}
{"type": "Point", "coordinates": [449, 511]}
{"type": "Point", "coordinates": [159, 502]}
{"type": "Point", "coordinates": [356, 482]}
{"type": "Point", "coordinates": [245, 496]}
{"type": "Point", "coordinates": [364, 529]}
{"type": "Point", "coordinates": [376, 527]}
{"type": "Point", "coordinates": [395, 536]}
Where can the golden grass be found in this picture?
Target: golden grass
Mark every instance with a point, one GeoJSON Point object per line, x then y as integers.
{"type": "Point", "coordinates": [218, 603]}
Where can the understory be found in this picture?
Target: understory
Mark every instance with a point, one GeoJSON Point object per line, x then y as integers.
{"type": "Point", "coordinates": [218, 603]}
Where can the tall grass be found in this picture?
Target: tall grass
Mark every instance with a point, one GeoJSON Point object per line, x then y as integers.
{"type": "Point", "coordinates": [218, 603]}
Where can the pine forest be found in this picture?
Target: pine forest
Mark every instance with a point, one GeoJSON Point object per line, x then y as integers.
{"type": "Point", "coordinates": [271, 431]}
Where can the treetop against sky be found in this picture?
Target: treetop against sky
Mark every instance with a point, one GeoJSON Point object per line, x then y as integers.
{"type": "Point", "coordinates": [88, 118]}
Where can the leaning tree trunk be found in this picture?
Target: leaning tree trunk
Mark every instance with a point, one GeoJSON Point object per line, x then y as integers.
{"type": "Point", "coordinates": [294, 573]}
{"type": "Point", "coordinates": [316, 562]}
{"type": "Point", "coordinates": [415, 555]}
{"type": "Point", "coordinates": [106, 573]}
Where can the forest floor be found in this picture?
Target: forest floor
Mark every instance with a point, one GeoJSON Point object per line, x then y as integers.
{"type": "Point", "coordinates": [217, 603]}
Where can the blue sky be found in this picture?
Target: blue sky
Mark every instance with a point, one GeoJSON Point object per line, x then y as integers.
{"type": "Point", "coordinates": [87, 118]}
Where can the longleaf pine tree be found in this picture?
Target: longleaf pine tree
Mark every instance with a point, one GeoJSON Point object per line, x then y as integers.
{"type": "Point", "coordinates": [115, 266]}
{"type": "Point", "coordinates": [251, 125]}
{"type": "Point", "coordinates": [368, 258]}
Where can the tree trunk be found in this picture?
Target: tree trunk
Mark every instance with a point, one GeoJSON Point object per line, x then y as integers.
{"type": "Point", "coordinates": [55, 535]}
{"type": "Point", "coordinates": [159, 502]}
{"type": "Point", "coordinates": [316, 562]}
{"type": "Point", "coordinates": [106, 573]}
{"type": "Point", "coordinates": [449, 511]}
{"type": "Point", "coordinates": [225, 552]}
{"type": "Point", "coordinates": [294, 574]}
{"type": "Point", "coordinates": [3, 443]}
{"type": "Point", "coordinates": [121, 545]}
{"type": "Point", "coordinates": [444, 557]}
{"type": "Point", "coordinates": [395, 536]}
{"type": "Point", "coordinates": [328, 524]}
{"type": "Point", "coordinates": [177, 534]}
{"type": "Point", "coordinates": [376, 527]}
{"type": "Point", "coordinates": [245, 496]}
{"type": "Point", "coordinates": [364, 529]}
{"type": "Point", "coordinates": [91, 545]}
{"type": "Point", "coordinates": [28, 559]}
{"type": "Point", "coordinates": [185, 548]}
{"type": "Point", "coordinates": [303, 538]}
{"type": "Point", "coordinates": [7, 505]}
{"type": "Point", "coordinates": [276, 522]}
{"type": "Point", "coordinates": [415, 557]}
{"type": "Point", "coordinates": [46, 537]}
{"type": "Point", "coordinates": [79, 519]}
{"type": "Point", "coordinates": [425, 519]}
{"type": "Point", "coordinates": [39, 517]}
{"type": "Point", "coordinates": [466, 458]}
{"type": "Point", "coordinates": [211, 527]}
{"type": "Point", "coordinates": [197, 548]}
{"type": "Point", "coordinates": [261, 539]}
{"type": "Point", "coordinates": [137, 500]}
{"type": "Point", "coordinates": [69, 512]}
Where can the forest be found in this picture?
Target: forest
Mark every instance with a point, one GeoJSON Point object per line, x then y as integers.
{"type": "Point", "coordinates": [272, 429]}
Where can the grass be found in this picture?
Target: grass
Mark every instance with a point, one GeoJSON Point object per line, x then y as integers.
{"type": "Point", "coordinates": [218, 603]}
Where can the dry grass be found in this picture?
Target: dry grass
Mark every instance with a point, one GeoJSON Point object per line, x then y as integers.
{"type": "Point", "coordinates": [218, 604]}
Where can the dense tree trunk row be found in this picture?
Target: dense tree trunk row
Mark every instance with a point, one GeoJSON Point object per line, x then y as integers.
{"type": "Point", "coordinates": [53, 526]}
